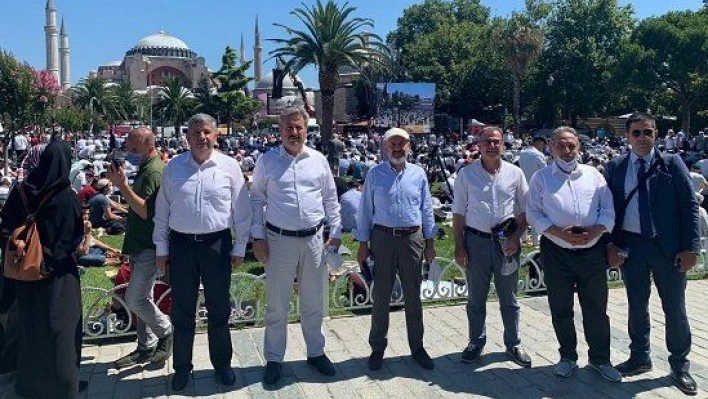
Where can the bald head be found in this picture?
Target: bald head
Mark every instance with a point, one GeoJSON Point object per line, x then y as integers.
{"type": "Point", "coordinates": [141, 141]}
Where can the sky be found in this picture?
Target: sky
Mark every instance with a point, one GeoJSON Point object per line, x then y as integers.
{"type": "Point", "coordinates": [102, 31]}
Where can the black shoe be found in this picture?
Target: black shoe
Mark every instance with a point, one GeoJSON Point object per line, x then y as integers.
{"type": "Point", "coordinates": [180, 380]}
{"type": "Point", "coordinates": [376, 360]}
{"type": "Point", "coordinates": [83, 385]}
{"type": "Point", "coordinates": [137, 356]}
{"type": "Point", "coordinates": [322, 364]}
{"type": "Point", "coordinates": [634, 367]}
{"type": "Point", "coordinates": [684, 382]}
{"type": "Point", "coordinates": [423, 359]}
{"type": "Point", "coordinates": [225, 376]}
{"type": "Point", "coordinates": [163, 349]}
{"type": "Point", "coordinates": [471, 353]}
{"type": "Point", "coordinates": [271, 374]}
{"type": "Point", "coordinates": [519, 356]}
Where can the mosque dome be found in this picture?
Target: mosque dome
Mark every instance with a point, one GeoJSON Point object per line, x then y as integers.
{"type": "Point", "coordinates": [266, 83]}
{"type": "Point", "coordinates": [162, 44]}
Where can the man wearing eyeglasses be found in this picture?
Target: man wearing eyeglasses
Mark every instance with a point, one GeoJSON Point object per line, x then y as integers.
{"type": "Point", "coordinates": [645, 185]}
{"type": "Point", "coordinates": [489, 193]}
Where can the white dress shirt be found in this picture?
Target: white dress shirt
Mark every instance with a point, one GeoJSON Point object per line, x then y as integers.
{"type": "Point", "coordinates": [581, 198]}
{"type": "Point", "coordinates": [531, 160]}
{"type": "Point", "coordinates": [293, 193]}
{"type": "Point", "coordinates": [200, 199]}
{"type": "Point", "coordinates": [631, 213]}
{"type": "Point", "coordinates": [487, 200]}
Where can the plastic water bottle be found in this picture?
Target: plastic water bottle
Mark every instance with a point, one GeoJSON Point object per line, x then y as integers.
{"type": "Point", "coordinates": [510, 265]}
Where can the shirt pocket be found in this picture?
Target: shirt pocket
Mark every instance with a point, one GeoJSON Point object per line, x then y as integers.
{"type": "Point", "coordinates": [218, 192]}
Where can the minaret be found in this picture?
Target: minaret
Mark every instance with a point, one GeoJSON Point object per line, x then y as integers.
{"type": "Point", "coordinates": [243, 51]}
{"type": "Point", "coordinates": [52, 41]}
{"type": "Point", "coordinates": [65, 61]}
{"type": "Point", "coordinates": [257, 54]}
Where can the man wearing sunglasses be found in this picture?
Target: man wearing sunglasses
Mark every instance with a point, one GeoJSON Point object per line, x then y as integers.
{"type": "Point", "coordinates": [644, 186]}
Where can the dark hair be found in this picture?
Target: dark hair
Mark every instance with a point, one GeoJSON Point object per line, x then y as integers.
{"type": "Point", "coordinates": [639, 117]}
{"type": "Point", "coordinates": [539, 139]}
{"type": "Point", "coordinates": [85, 206]}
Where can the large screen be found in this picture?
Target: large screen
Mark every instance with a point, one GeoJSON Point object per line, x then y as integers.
{"type": "Point", "coordinates": [410, 106]}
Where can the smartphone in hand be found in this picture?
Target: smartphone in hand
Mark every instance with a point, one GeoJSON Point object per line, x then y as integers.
{"type": "Point", "coordinates": [577, 230]}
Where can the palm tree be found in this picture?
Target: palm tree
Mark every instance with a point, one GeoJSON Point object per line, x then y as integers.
{"type": "Point", "coordinates": [94, 95]}
{"type": "Point", "coordinates": [176, 101]}
{"type": "Point", "coordinates": [332, 39]}
{"type": "Point", "coordinates": [125, 101]}
{"type": "Point", "coordinates": [520, 42]}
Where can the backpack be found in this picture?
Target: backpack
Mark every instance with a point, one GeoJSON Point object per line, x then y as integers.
{"type": "Point", "coordinates": [24, 258]}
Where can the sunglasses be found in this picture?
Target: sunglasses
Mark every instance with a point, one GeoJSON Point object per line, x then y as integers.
{"type": "Point", "coordinates": [647, 132]}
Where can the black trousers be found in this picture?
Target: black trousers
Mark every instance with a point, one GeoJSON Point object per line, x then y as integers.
{"type": "Point", "coordinates": [584, 269]}
{"type": "Point", "coordinates": [207, 261]}
{"type": "Point", "coordinates": [647, 258]}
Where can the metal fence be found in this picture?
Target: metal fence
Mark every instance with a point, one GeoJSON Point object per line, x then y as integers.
{"type": "Point", "coordinates": [106, 314]}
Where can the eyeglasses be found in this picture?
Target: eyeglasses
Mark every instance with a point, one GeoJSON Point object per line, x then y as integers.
{"type": "Point", "coordinates": [491, 142]}
{"type": "Point", "coordinates": [647, 132]}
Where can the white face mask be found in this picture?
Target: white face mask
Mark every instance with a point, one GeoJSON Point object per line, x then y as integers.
{"type": "Point", "coordinates": [565, 166]}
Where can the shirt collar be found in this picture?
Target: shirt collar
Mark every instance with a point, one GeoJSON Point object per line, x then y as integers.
{"type": "Point", "coordinates": [210, 161]}
{"type": "Point", "coordinates": [648, 159]}
{"type": "Point", "coordinates": [283, 152]}
{"type": "Point", "coordinates": [390, 167]}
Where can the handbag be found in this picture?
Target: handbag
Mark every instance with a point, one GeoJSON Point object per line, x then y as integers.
{"type": "Point", "coordinates": [24, 257]}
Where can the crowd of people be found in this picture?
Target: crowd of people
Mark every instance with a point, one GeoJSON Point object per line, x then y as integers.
{"type": "Point", "coordinates": [190, 208]}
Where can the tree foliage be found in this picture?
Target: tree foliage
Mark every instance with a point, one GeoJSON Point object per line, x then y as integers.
{"type": "Point", "coordinates": [230, 99]}
{"type": "Point", "coordinates": [331, 38]}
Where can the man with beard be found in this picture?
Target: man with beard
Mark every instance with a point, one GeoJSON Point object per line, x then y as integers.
{"type": "Point", "coordinates": [292, 195]}
{"type": "Point", "coordinates": [202, 198]}
{"type": "Point", "coordinates": [658, 225]}
{"type": "Point", "coordinates": [490, 193]}
{"type": "Point", "coordinates": [396, 217]}
{"type": "Point", "coordinates": [571, 206]}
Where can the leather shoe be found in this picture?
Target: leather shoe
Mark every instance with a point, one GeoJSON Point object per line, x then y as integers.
{"type": "Point", "coordinates": [634, 367]}
{"type": "Point", "coordinates": [271, 374]}
{"type": "Point", "coordinates": [423, 359]}
{"type": "Point", "coordinates": [519, 356]}
{"type": "Point", "coordinates": [225, 375]}
{"type": "Point", "coordinates": [322, 364]}
{"type": "Point", "coordinates": [180, 380]}
{"type": "Point", "coordinates": [684, 382]}
{"type": "Point", "coordinates": [376, 360]}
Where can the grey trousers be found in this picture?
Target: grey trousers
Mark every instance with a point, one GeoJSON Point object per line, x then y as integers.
{"type": "Point", "coordinates": [484, 260]}
{"type": "Point", "coordinates": [402, 255]}
{"type": "Point", "coordinates": [151, 323]}
{"type": "Point", "coordinates": [288, 258]}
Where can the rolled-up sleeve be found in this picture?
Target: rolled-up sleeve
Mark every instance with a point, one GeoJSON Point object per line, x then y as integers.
{"type": "Point", "coordinates": [241, 214]}
{"type": "Point", "coordinates": [161, 233]}
{"type": "Point", "coordinates": [459, 201]}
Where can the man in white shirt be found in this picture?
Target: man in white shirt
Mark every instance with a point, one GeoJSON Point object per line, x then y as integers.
{"type": "Point", "coordinates": [202, 197]}
{"type": "Point", "coordinates": [489, 193]}
{"type": "Point", "coordinates": [531, 159]}
{"type": "Point", "coordinates": [292, 194]}
{"type": "Point", "coordinates": [670, 141]}
{"type": "Point", "coordinates": [20, 144]}
{"type": "Point", "coordinates": [571, 205]}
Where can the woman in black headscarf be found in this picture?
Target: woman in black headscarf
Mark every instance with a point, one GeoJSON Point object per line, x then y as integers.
{"type": "Point", "coordinates": [50, 310]}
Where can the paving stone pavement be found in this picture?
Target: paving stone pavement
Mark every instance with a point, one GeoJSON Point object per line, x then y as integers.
{"type": "Point", "coordinates": [494, 376]}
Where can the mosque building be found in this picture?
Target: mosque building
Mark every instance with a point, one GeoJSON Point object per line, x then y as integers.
{"type": "Point", "coordinates": [57, 45]}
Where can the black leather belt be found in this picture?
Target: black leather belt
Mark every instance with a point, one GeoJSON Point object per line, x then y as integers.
{"type": "Point", "coordinates": [295, 233]}
{"type": "Point", "coordinates": [397, 231]}
{"type": "Point", "coordinates": [199, 237]}
{"type": "Point", "coordinates": [478, 233]}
